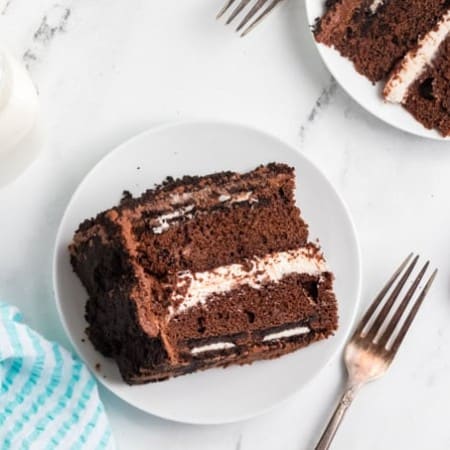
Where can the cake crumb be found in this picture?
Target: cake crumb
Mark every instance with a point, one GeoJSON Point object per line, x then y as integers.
{"type": "Point", "coordinates": [126, 195]}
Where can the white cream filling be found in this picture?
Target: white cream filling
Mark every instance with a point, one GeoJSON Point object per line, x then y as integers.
{"type": "Point", "coordinates": [243, 197]}
{"type": "Point", "coordinates": [163, 221]}
{"type": "Point", "coordinates": [212, 347]}
{"type": "Point", "coordinates": [375, 5]}
{"type": "Point", "coordinates": [287, 333]}
{"type": "Point", "coordinates": [195, 288]}
{"type": "Point", "coordinates": [298, 331]}
{"type": "Point", "coordinates": [416, 61]}
{"type": "Point", "coordinates": [176, 199]}
{"type": "Point", "coordinates": [224, 198]}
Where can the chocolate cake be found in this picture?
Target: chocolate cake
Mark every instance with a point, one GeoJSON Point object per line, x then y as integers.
{"type": "Point", "coordinates": [203, 272]}
{"type": "Point", "coordinates": [421, 81]}
{"type": "Point", "coordinates": [403, 41]}
{"type": "Point", "coordinates": [376, 34]}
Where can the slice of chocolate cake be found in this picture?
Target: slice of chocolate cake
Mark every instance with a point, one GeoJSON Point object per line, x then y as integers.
{"type": "Point", "coordinates": [203, 272]}
{"type": "Point", "coordinates": [376, 34]}
{"type": "Point", "coordinates": [421, 80]}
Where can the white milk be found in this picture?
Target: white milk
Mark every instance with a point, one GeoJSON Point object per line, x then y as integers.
{"type": "Point", "coordinates": [18, 104]}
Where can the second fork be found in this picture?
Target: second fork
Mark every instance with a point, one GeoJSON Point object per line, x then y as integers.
{"type": "Point", "coordinates": [257, 7]}
{"type": "Point", "coordinates": [374, 344]}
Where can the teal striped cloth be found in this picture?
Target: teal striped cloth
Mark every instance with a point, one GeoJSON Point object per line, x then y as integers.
{"type": "Point", "coordinates": [48, 399]}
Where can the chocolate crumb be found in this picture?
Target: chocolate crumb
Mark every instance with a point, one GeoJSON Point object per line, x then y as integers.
{"type": "Point", "coordinates": [126, 195]}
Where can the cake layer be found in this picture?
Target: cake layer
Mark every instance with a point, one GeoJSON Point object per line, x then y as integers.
{"type": "Point", "coordinates": [428, 98]}
{"type": "Point", "coordinates": [376, 34]}
{"type": "Point", "coordinates": [248, 311]}
{"type": "Point", "coordinates": [245, 230]}
{"type": "Point", "coordinates": [222, 355]}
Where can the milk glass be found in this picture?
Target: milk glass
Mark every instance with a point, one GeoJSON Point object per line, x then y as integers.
{"type": "Point", "coordinates": [18, 115]}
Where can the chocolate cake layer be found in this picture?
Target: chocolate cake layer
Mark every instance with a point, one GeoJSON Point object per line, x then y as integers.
{"type": "Point", "coordinates": [246, 228]}
{"type": "Point", "coordinates": [245, 312]}
{"type": "Point", "coordinates": [376, 34]}
{"type": "Point", "coordinates": [203, 272]}
{"type": "Point", "coordinates": [226, 357]}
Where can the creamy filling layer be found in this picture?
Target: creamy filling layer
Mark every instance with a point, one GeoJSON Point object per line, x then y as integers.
{"type": "Point", "coordinates": [196, 288]}
{"type": "Point", "coordinates": [375, 5]}
{"type": "Point", "coordinates": [297, 331]}
{"type": "Point", "coordinates": [163, 222]}
{"type": "Point", "coordinates": [212, 347]}
{"type": "Point", "coordinates": [416, 61]}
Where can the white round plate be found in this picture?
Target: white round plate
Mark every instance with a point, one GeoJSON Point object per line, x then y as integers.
{"type": "Point", "coordinates": [360, 88]}
{"type": "Point", "coordinates": [217, 395]}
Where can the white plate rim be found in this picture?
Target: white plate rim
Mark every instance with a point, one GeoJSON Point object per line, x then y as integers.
{"type": "Point", "coordinates": [417, 130]}
{"type": "Point", "coordinates": [339, 345]}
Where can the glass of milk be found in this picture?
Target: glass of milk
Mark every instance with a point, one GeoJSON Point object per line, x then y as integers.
{"type": "Point", "coordinates": [18, 115]}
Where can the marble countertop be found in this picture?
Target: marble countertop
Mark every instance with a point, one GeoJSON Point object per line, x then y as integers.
{"type": "Point", "coordinates": [106, 70]}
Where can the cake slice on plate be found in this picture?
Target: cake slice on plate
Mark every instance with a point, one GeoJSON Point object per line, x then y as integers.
{"type": "Point", "coordinates": [376, 34]}
{"type": "Point", "coordinates": [203, 272]}
{"type": "Point", "coordinates": [421, 80]}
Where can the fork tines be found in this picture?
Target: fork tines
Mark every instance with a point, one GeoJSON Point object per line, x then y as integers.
{"type": "Point", "coordinates": [370, 328]}
{"type": "Point", "coordinates": [257, 7]}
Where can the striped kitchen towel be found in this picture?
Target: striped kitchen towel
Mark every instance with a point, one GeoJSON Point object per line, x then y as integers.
{"type": "Point", "coordinates": [48, 399]}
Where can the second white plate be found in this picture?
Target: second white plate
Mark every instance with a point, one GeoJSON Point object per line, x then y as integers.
{"type": "Point", "coordinates": [360, 88]}
{"type": "Point", "coordinates": [218, 395]}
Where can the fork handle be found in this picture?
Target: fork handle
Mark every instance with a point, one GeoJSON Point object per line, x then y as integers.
{"type": "Point", "coordinates": [346, 400]}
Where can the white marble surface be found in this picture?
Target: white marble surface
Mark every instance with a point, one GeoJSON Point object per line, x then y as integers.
{"type": "Point", "coordinates": [106, 70]}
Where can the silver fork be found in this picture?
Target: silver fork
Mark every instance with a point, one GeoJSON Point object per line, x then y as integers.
{"type": "Point", "coordinates": [373, 346]}
{"type": "Point", "coordinates": [258, 6]}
